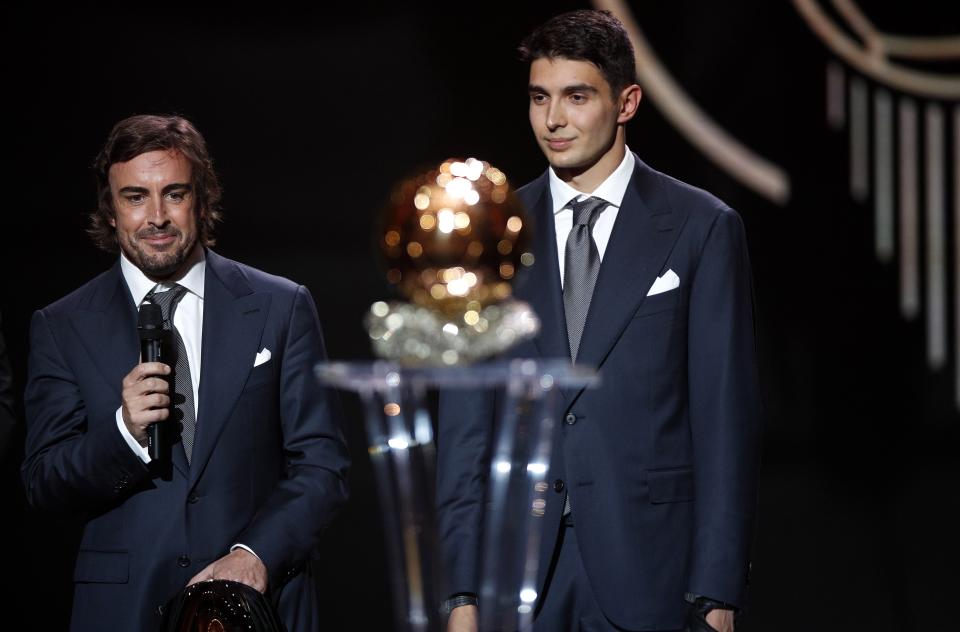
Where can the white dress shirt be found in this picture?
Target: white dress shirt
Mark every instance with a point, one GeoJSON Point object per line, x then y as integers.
{"type": "Point", "coordinates": [612, 190]}
{"type": "Point", "coordinates": [188, 319]}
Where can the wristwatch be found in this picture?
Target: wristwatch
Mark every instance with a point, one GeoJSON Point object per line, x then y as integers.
{"type": "Point", "coordinates": [456, 601]}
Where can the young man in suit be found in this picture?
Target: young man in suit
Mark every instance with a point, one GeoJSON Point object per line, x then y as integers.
{"type": "Point", "coordinates": [256, 465]}
{"type": "Point", "coordinates": [648, 280]}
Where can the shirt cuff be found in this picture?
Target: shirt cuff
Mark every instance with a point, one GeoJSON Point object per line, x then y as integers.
{"type": "Point", "coordinates": [245, 548]}
{"type": "Point", "coordinates": [138, 449]}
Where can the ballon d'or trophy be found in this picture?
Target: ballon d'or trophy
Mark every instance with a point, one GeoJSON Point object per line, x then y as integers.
{"type": "Point", "coordinates": [453, 241]}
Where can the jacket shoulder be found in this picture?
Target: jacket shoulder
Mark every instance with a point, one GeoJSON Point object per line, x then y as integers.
{"type": "Point", "coordinates": [81, 298]}
{"type": "Point", "coordinates": [235, 273]}
{"type": "Point", "coordinates": [701, 206]}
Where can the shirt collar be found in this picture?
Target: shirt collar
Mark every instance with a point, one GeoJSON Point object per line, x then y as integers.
{"type": "Point", "coordinates": [140, 285]}
{"type": "Point", "coordinates": [612, 189]}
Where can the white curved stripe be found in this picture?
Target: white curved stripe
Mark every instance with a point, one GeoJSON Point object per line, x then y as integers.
{"type": "Point", "coordinates": [904, 47]}
{"type": "Point", "coordinates": [751, 169]}
{"type": "Point", "coordinates": [877, 67]}
{"type": "Point", "coordinates": [940, 48]}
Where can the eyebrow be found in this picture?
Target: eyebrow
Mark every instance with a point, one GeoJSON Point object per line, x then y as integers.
{"type": "Point", "coordinates": [578, 87]}
{"type": "Point", "coordinates": [175, 186]}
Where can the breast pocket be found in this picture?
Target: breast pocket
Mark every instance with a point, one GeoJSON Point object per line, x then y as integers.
{"type": "Point", "coordinates": [261, 376]}
{"type": "Point", "coordinates": [665, 301]}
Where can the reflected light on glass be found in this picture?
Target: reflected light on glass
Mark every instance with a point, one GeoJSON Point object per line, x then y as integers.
{"type": "Point", "coordinates": [537, 468]}
{"type": "Point", "coordinates": [427, 221]}
{"type": "Point", "coordinates": [446, 221]}
{"type": "Point", "coordinates": [458, 188]}
{"type": "Point", "coordinates": [399, 443]}
{"type": "Point", "coordinates": [458, 287]}
{"type": "Point", "coordinates": [451, 329]}
{"type": "Point", "coordinates": [450, 357]}
{"type": "Point", "coordinates": [421, 201]}
{"type": "Point", "coordinates": [391, 409]}
{"type": "Point", "coordinates": [503, 467]}
{"type": "Point", "coordinates": [528, 595]}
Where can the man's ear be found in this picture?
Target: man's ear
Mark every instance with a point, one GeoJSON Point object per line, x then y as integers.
{"type": "Point", "coordinates": [629, 102]}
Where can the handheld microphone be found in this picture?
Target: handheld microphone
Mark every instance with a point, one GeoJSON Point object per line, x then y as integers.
{"type": "Point", "coordinates": [150, 329]}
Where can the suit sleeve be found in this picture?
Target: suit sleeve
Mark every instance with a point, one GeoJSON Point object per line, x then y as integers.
{"type": "Point", "coordinates": [463, 462]}
{"type": "Point", "coordinates": [724, 412]}
{"type": "Point", "coordinates": [69, 462]}
{"type": "Point", "coordinates": [287, 527]}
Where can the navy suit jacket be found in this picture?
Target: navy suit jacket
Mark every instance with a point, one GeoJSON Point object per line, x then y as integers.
{"type": "Point", "coordinates": [269, 461]}
{"type": "Point", "coordinates": [661, 460]}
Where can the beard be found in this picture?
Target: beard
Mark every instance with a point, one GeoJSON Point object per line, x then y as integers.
{"type": "Point", "coordinates": [163, 264]}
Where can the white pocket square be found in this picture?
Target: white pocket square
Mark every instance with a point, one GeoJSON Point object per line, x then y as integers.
{"type": "Point", "coordinates": [263, 356]}
{"type": "Point", "coordinates": [669, 281]}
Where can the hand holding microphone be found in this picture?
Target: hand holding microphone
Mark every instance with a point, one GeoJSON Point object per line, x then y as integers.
{"type": "Point", "coordinates": [146, 399]}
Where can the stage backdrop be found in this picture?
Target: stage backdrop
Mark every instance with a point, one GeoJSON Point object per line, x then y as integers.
{"type": "Point", "coordinates": [312, 115]}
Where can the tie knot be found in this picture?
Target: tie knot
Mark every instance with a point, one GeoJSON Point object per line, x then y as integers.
{"type": "Point", "coordinates": [586, 212]}
{"type": "Point", "coordinates": [167, 300]}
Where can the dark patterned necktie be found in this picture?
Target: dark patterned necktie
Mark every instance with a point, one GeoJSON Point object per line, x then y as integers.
{"type": "Point", "coordinates": [182, 395]}
{"type": "Point", "coordinates": [581, 264]}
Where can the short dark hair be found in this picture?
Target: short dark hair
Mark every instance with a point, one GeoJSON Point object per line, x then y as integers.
{"type": "Point", "coordinates": [585, 35]}
{"type": "Point", "coordinates": [143, 133]}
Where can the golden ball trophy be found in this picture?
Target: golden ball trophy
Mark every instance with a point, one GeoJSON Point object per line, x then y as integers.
{"type": "Point", "coordinates": [454, 240]}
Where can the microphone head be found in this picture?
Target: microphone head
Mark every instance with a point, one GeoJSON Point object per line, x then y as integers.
{"type": "Point", "coordinates": [151, 318]}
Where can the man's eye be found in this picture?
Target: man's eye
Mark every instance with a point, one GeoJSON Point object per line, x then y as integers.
{"type": "Point", "coordinates": [578, 98]}
{"type": "Point", "coordinates": [176, 196]}
{"type": "Point", "coordinates": [538, 98]}
{"type": "Point", "coordinates": [135, 199]}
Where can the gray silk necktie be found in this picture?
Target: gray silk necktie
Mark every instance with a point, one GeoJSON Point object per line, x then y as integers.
{"type": "Point", "coordinates": [182, 395]}
{"type": "Point", "coordinates": [581, 264]}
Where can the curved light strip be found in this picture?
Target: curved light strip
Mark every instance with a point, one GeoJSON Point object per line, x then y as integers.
{"type": "Point", "coordinates": [881, 44]}
{"type": "Point", "coordinates": [876, 66]}
{"type": "Point", "coordinates": [745, 165]}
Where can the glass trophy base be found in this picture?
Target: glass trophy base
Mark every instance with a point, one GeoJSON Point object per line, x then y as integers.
{"type": "Point", "coordinates": [400, 437]}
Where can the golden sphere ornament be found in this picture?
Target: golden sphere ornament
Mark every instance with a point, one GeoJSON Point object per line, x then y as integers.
{"type": "Point", "coordinates": [454, 239]}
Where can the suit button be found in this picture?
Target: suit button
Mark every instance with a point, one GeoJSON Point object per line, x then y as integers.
{"type": "Point", "coordinates": [192, 498]}
{"type": "Point", "coordinates": [558, 485]}
{"type": "Point", "coordinates": [570, 419]}
{"type": "Point", "coordinates": [183, 561]}
{"type": "Point", "coordinates": [159, 611]}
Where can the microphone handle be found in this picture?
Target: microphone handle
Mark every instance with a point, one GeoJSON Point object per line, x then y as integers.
{"type": "Point", "coordinates": [156, 432]}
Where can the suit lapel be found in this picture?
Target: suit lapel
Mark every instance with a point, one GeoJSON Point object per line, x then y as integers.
{"type": "Point", "coordinates": [541, 288]}
{"type": "Point", "coordinates": [107, 328]}
{"type": "Point", "coordinates": [233, 319]}
{"type": "Point", "coordinates": [643, 236]}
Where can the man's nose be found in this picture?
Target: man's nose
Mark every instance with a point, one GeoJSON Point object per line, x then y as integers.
{"type": "Point", "coordinates": [158, 213]}
{"type": "Point", "coordinates": [556, 116]}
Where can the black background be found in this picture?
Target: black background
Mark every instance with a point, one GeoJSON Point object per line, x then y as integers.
{"type": "Point", "coordinates": [313, 114]}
